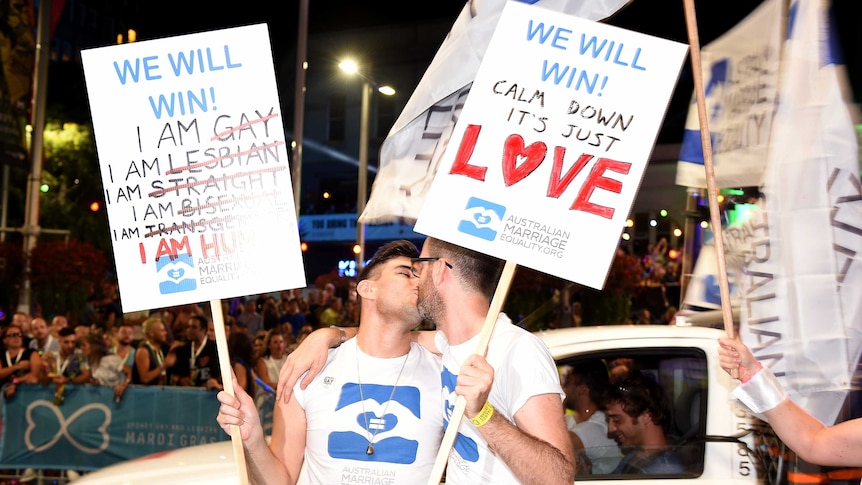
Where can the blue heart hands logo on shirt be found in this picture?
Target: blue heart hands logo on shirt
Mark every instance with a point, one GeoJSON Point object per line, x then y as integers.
{"type": "Point", "coordinates": [376, 424]}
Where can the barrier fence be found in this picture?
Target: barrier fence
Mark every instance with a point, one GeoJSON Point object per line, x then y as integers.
{"type": "Point", "coordinates": [89, 430]}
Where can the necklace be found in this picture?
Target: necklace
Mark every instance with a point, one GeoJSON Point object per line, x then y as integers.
{"type": "Point", "coordinates": [9, 362]}
{"type": "Point", "coordinates": [382, 421]}
{"type": "Point", "coordinates": [193, 357]}
{"type": "Point", "coordinates": [160, 356]}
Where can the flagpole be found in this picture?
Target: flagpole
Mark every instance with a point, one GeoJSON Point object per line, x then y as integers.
{"type": "Point", "coordinates": [299, 102]}
{"type": "Point", "coordinates": [711, 190]}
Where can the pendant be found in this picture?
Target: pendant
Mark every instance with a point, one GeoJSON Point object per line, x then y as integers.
{"type": "Point", "coordinates": [370, 449]}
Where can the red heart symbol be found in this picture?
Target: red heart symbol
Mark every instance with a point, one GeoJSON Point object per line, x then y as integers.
{"type": "Point", "coordinates": [513, 150]}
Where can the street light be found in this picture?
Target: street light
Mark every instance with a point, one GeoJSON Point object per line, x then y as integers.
{"type": "Point", "coordinates": [368, 84]}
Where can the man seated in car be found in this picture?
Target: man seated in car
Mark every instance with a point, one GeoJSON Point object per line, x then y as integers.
{"type": "Point", "coordinates": [639, 414]}
{"type": "Point", "coordinates": [585, 384]}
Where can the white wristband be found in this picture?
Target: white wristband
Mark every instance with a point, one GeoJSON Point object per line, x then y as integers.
{"type": "Point", "coordinates": [762, 392]}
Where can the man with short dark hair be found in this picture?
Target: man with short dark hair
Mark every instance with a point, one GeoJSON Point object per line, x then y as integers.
{"type": "Point", "coordinates": [639, 413]}
{"type": "Point", "coordinates": [293, 316]}
{"type": "Point", "coordinates": [514, 422]}
{"type": "Point", "coordinates": [67, 365]}
{"type": "Point", "coordinates": [197, 360]}
{"type": "Point", "coordinates": [585, 384]}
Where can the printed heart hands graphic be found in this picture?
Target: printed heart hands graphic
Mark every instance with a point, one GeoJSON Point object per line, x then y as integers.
{"type": "Point", "coordinates": [481, 219]}
{"type": "Point", "coordinates": [176, 274]}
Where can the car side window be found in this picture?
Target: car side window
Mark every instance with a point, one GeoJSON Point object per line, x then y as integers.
{"type": "Point", "coordinates": [655, 391]}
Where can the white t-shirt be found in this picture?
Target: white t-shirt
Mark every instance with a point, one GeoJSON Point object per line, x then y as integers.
{"type": "Point", "coordinates": [273, 366]}
{"type": "Point", "coordinates": [338, 413]}
{"type": "Point", "coordinates": [603, 452]}
{"type": "Point", "coordinates": [51, 345]}
{"type": "Point", "coordinates": [110, 371]}
{"type": "Point", "coordinates": [523, 368]}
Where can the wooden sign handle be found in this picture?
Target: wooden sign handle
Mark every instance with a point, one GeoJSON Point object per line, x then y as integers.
{"type": "Point", "coordinates": [227, 382]}
{"type": "Point", "coordinates": [711, 189]}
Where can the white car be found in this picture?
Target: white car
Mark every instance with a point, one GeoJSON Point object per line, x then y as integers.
{"type": "Point", "coordinates": [714, 437]}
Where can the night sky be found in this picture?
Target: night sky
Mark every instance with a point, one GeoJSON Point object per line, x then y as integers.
{"type": "Point", "coordinates": [661, 18]}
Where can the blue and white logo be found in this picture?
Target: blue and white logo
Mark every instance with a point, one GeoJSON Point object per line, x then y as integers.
{"type": "Point", "coordinates": [175, 274]}
{"type": "Point", "coordinates": [381, 422]}
{"type": "Point", "coordinates": [482, 219]}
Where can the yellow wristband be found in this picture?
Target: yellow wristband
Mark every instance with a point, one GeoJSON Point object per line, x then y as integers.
{"type": "Point", "coordinates": [484, 415]}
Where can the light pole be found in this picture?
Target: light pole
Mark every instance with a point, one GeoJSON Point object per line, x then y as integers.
{"type": "Point", "coordinates": [31, 213]}
{"type": "Point", "coordinates": [362, 181]}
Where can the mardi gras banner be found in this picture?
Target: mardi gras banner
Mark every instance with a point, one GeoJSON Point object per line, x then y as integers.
{"type": "Point", "coordinates": [90, 430]}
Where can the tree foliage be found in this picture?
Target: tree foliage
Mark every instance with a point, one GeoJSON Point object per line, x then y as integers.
{"type": "Point", "coordinates": [72, 174]}
{"type": "Point", "coordinates": [64, 274]}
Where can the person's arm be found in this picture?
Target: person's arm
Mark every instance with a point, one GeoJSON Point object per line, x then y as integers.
{"type": "Point", "coordinates": [425, 338]}
{"type": "Point", "coordinates": [47, 375]}
{"type": "Point", "coordinates": [142, 361]}
{"type": "Point", "coordinates": [170, 359]}
{"type": "Point", "coordinates": [583, 464]}
{"type": "Point", "coordinates": [34, 370]}
{"type": "Point", "coordinates": [311, 354]}
{"type": "Point", "coordinates": [120, 388]}
{"type": "Point", "coordinates": [263, 373]}
{"type": "Point", "coordinates": [263, 462]}
{"type": "Point", "coordinates": [287, 443]}
{"type": "Point", "coordinates": [539, 439]}
{"type": "Point", "coordinates": [83, 377]}
{"type": "Point", "coordinates": [8, 371]}
{"type": "Point", "coordinates": [814, 442]}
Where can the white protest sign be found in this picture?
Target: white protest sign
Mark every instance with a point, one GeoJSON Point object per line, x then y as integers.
{"type": "Point", "coordinates": [194, 164]}
{"type": "Point", "coordinates": [552, 143]}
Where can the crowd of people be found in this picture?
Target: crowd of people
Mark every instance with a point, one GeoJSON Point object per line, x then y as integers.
{"type": "Point", "coordinates": [657, 297]}
{"type": "Point", "coordinates": [652, 285]}
{"type": "Point", "coordinates": [292, 314]}
{"type": "Point", "coordinates": [167, 346]}
{"type": "Point", "coordinates": [300, 346]}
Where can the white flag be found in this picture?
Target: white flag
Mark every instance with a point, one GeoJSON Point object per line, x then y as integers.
{"type": "Point", "coordinates": [740, 72]}
{"type": "Point", "coordinates": [411, 152]}
{"type": "Point", "coordinates": [801, 286]}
